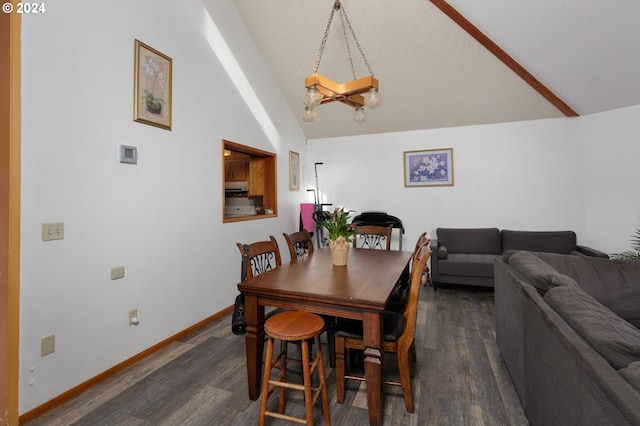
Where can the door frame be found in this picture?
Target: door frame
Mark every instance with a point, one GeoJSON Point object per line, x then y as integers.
{"type": "Point", "coordinates": [10, 142]}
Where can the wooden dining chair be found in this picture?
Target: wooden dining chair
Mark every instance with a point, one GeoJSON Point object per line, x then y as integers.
{"type": "Point", "coordinates": [259, 257]}
{"type": "Point", "coordinates": [420, 242]}
{"type": "Point", "coordinates": [400, 296]}
{"type": "Point", "coordinates": [423, 241]}
{"type": "Point", "coordinates": [399, 336]}
{"type": "Point", "coordinates": [373, 237]}
{"type": "Point", "coordinates": [299, 243]}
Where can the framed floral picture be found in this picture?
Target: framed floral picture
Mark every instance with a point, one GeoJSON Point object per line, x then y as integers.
{"type": "Point", "coordinates": [152, 87]}
{"type": "Point", "coordinates": [294, 171]}
{"type": "Point", "coordinates": [433, 167]}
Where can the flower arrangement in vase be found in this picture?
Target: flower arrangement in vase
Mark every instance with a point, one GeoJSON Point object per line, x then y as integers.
{"type": "Point", "coordinates": [340, 234]}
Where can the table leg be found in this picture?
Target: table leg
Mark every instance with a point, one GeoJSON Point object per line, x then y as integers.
{"type": "Point", "coordinates": [254, 344]}
{"type": "Point", "coordinates": [373, 365]}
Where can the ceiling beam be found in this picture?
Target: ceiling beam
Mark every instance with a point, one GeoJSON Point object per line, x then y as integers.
{"type": "Point", "coordinates": [474, 32]}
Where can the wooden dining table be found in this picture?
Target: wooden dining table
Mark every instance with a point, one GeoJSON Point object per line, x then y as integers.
{"type": "Point", "coordinates": [358, 291]}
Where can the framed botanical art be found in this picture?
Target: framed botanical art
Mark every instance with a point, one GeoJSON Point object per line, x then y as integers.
{"type": "Point", "coordinates": [152, 87]}
{"type": "Point", "coordinates": [294, 171]}
{"type": "Point", "coordinates": [433, 167]}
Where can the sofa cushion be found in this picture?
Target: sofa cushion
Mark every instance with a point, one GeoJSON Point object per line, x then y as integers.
{"type": "Point", "coordinates": [536, 271]}
{"type": "Point", "coordinates": [631, 374]}
{"type": "Point", "coordinates": [614, 338]}
{"type": "Point", "coordinates": [614, 283]}
{"type": "Point", "coordinates": [562, 242]}
{"type": "Point", "coordinates": [470, 240]}
{"type": "Point", "coordinates": [468, 265]}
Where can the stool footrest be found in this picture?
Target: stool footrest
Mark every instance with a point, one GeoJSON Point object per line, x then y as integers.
{"type": "Point", "coordinates": [363, 379]}
{"type": "Point", "coordinates": [285, 417]}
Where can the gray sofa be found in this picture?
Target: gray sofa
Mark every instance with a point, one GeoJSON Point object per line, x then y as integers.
{"type": "Point", "coordinates": [466, 255]}
{"type": "Point", "coordinates": [567, 329]}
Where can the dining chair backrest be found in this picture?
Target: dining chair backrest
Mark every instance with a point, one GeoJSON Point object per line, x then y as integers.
{"type": "Point", "coordinates": [422, 241]}
{"type": "Point", "coordinates": [373, 237]}
{"type": "Point", "coordinates": [259, 257]}
{"type": "Point", "coordinates": [410, 313]}
{"type": "Point", "coordinates": [299, 243]}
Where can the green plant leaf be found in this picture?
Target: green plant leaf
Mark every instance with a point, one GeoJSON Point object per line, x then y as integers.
{"type": "Point", "coordinates": [337, 223]}
{"type": "Point", "coordinates": [630, 254]}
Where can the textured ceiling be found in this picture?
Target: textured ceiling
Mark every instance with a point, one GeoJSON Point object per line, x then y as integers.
{"type": "Point", "coordinates": [433, 74]}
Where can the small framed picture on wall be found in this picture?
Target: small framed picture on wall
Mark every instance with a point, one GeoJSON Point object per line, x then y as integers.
{"type": "Point", "coordinates": [432, 167]}
{"type": "Point", "coordinates": [294, 171]}
{"type": "Point", "coordinates": [152, 87]}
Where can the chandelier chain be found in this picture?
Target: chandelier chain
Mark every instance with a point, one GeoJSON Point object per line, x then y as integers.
{"type": "Point", "coordinates": [346, 42]}
{"type": "Point", "coordinates": [343, 18]}
{"type": "Point", "coordinates": [353, 34]}
{"type": "Point", "coordinates": [324, 41]}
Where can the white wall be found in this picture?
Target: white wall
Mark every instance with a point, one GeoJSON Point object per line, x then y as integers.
{"type": "Point", "coordinates": [575, 174]}
{"type": "Point", "coordinates": [611, 145]}
{"type": "Point", "coordinates": [161, 218]}
{"type": "Point", "coordinates": [525, 176]}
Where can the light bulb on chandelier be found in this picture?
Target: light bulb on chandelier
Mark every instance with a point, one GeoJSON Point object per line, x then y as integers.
{"type": "Point", "coordinates": [373, 99]}
{"type": "Point", "coordinates": [309, 115]}
{"type": "Point", "coordinates": [312, 97]}
{"type": "Point", "coordinates": [359, 115]}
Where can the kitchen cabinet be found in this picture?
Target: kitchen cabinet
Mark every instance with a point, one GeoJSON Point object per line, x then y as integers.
{"type": "Point", "coordinates": [236, 170]}
{"type": "Point", "coordinates": [262, 180]}
{"type": "Point", "coordinates": [256, 176]}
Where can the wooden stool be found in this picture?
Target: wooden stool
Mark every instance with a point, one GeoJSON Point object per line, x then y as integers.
{"type": "Point", "coordinates": [289, 327]}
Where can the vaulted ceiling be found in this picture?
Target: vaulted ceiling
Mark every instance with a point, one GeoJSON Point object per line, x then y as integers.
{"type": "Point", "coordinates": [455, 63]}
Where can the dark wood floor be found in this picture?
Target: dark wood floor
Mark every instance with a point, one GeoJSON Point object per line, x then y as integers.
{"type": "Point", "coordinates": [460, 378]}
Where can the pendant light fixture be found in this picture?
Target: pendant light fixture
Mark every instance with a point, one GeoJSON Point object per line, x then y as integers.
{"type": "Point", "coordinates": [356, 94]}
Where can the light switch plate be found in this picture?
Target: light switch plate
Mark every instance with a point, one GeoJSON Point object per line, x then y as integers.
{"type": "Point", "coordinates": [133, 317]}
{"type": "Point", "coordinates": [48, 345]}
{"type": "Point", "coordinates": [117, 272]}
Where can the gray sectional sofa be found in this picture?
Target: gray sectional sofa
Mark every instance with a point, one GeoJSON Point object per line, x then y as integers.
{"type": "Point", "coordinates": [567, 329]}
{"type": "Point", "coordinates": [466, 255]}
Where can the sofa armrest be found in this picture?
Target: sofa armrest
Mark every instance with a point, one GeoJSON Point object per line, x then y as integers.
{"type": "Point", "coordinates": [442, 252]}
{"type": "Point", "coordinates": [588, 251]}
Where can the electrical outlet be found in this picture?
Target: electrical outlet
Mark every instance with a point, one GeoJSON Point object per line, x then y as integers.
{"type": "Point", "coordinates": [52, 231]}
{"type": "Point", "coordinates": [133, 317]}
{"type": "Point", "coordinates": [48, 345]}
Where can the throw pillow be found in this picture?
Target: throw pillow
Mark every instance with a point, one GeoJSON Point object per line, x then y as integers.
{"type": "Point", "coordinates": [614, 283]}
{"type": "Point", "coordinates": [611, 336]}
{"type": "Point", "coordinates": [538, 272]}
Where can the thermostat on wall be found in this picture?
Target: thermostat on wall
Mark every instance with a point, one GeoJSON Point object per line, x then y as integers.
{"type": "Point", "coordinates": [128, 154]}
